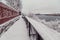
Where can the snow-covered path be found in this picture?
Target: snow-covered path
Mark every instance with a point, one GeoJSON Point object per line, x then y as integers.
{"type": "Point", "coordinates": [17, 32]}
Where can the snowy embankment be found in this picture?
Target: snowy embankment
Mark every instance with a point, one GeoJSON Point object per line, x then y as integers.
{"type": "Point", "coordinates": [46, 32]}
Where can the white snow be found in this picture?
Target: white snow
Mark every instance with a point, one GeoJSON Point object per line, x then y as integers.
{"type": "Point", "coordinates": [17, 32]}
{"type": "Point", "coordinates": [45, 32]}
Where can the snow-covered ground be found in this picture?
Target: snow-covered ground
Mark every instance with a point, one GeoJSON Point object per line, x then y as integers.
{"type": "Point", "coordinates": [18, 31]}
{"type": "Point", "coordinates": [44, 31]}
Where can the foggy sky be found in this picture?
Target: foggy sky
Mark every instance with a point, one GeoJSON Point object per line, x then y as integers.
{"type": "Point", "coordinates": [40, 6]}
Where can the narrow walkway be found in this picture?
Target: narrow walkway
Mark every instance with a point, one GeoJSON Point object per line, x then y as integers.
{"type": "Point", "coordinates": [17, 32]}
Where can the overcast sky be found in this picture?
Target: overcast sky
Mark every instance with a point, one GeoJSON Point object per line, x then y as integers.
{"type": "Point", "coordinates": [41, 6]}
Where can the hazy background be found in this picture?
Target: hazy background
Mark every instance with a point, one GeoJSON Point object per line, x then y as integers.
{"type": "Point", "coordinates": [40, 6]}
